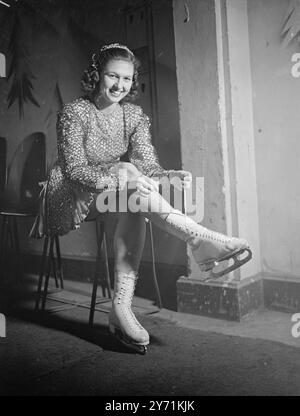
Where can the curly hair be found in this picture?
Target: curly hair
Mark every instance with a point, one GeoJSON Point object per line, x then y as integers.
{"type": "Point", "coordinates": [90, 79]}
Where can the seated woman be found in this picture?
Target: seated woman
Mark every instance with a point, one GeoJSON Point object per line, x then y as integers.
{"type": "Point", "coordinates": [93, 133]}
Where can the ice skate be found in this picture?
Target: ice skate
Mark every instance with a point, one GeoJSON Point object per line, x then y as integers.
{"type": "Point", "coordinates": [209, 248]}
{"type": "Point", "coordinates": [210, 253]}
{"type": "Point", "coordinates": [122, 322]}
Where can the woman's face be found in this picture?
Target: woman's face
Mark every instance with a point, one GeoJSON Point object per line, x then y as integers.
{"type": "Point", "coordinates": [116, 80]}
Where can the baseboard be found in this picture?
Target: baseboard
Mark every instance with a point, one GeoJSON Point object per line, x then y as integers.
{"type": "Point", "coordinates": [282, 294]}
{"type": "Point", "coordinates": [233, 301]}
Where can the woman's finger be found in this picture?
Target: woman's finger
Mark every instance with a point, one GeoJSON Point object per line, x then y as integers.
{"type": "Point", "coordinates": [147, 183]}
{"type": "Point", "coordinates": [154, 184]}
{"type": "Point", "coordinates": [143, 191]}
{"type": "Point", "coordinates": [186, 185]}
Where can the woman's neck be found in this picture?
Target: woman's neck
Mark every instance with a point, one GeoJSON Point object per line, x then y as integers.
{"type": "Point", "coordinates": [103, 105]}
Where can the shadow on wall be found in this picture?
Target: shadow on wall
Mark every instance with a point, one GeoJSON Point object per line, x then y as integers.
{"type": "Point", "coordinates": [26, 170]}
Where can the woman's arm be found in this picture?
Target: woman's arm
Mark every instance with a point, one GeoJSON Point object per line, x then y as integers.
{"type": "Point", "coordinates": [142, 153]}
{"type": "Point", "coordinates": [70, 137]}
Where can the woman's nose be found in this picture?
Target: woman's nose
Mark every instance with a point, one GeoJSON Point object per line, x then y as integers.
{"type": "Point", "coordinates": [119, 84]}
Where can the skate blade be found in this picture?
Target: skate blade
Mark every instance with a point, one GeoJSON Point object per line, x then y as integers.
{"type": "Point", "coordinates": [207, 269]}
{"type": "Point", "coordinates": [140, 348]}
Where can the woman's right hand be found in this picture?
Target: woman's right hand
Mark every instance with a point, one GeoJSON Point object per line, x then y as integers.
{"type": "Point", "coordinates": [130, 175]}
{"type": "Point", "coordinates": [144, 185]}
{"type": "Point", "coordinates": [127, 172]}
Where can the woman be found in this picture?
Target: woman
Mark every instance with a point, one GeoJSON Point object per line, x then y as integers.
{"type": "Point", "coordinates": [94, 132]}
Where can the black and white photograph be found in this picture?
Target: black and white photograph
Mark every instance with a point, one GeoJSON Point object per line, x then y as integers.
{"type": "Point", "coordinates": [149, 206]}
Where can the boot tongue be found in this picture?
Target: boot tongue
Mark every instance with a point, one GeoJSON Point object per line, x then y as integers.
{"type": "Point", "coordinates": [124, 286]}
{"type": "Point", "coordinates": [125, 282]}
{"type": "Point", "coordinates": [130, 275]}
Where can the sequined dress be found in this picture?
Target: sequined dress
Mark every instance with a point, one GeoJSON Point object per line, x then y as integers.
{"type": "Point", "coordinates": [90, 144]}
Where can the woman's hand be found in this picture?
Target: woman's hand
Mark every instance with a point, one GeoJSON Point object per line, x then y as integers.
{"type": "Point", "coordinates": [144, 185]}
{"type": "Point", "coordinates": [129, 175]}
{"type": "Point", "coordinates": [184, 176]}
{"type": "Point", "coordinates": [126, 172]}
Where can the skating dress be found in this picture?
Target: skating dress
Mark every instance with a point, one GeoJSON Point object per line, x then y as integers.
{"type": "Point", "coordinates": [90, 144]}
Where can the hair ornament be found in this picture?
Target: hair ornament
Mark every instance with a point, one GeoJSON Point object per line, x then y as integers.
{"type": "Point", "coordinates": [115, 45]}
{"type": "Point", "coordinates": [94, 61]}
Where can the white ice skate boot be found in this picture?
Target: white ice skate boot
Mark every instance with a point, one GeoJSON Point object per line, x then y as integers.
{"type": "Point", "coordinates": [208, 247]}
{"type": "Point", "coordinates": [122, 322]}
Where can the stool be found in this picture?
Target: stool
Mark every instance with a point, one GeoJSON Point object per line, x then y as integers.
{"type": "Point", "coordinates": [19, 192]}
{"type": "Point", "coordinates": [105, 283]}
{"type": "Point", "coordinates": [50, 262]}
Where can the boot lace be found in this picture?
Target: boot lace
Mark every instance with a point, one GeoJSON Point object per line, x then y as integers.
{"type": "Point", "coordinates": [125, 297]}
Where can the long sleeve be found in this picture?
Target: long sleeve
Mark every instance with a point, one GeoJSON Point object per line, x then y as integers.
{"type": "Point", "coordinates": [142, 153]}
{"type": "Point", "coordinates": [71, 152]}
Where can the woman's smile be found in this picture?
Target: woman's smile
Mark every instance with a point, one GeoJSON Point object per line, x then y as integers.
{"type": "Point", "coordinates": [116, 80]}
{"type": "Point", "coordinates": [116, 93]}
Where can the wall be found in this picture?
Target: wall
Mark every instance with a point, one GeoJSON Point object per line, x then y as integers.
{"type": "Point", "coordinates": [169, 249]}
{"type": "Point", "coordinates": [276, 103]}
{"type": "Point", "coordinates": [168, 140]}
{"type": "Point", "coordinates": [198, 95]}
{"type": "Point", "coordinates": [236, 121]}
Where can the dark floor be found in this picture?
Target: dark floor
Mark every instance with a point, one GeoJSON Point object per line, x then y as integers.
{"type": "Point", "coordinates": [58, 354]}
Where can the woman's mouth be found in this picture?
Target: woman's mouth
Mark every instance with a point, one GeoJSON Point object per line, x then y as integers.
{"type": "Point", "coordinates": [115, 93]}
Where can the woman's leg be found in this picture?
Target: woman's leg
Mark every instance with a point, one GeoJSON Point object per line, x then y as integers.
{"type": "Point", "coordinates": [129, 240]}
{"type": "Point", "coordinates": [208, 247]}
{"type": "Point", "coordinates": [128, 246]}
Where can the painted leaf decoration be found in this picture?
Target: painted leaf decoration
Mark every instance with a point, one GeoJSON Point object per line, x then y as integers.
{"type": "Point", "coordinates": [19, 71]}
{"type": "Point", "coordinates": [42, 17]}
{"type": "Point", "coordinates": [56, 105]}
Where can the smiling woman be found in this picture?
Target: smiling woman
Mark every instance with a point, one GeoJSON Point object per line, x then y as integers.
{"type": "Point", "coordinates": [118, 69]}
{"type": "Point", "coordinates": [116, 83]}
{"type": "Point", "coordinates": [94, 132]}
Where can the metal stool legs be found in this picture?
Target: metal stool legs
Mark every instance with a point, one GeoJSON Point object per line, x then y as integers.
{"type": "Point", "coordinates": [48, 263]}
{"type": "Point", "coordinates": [51, 263]}
{"type": "Point", "coordinates": [156, 287]}
{"type": "Point", "coordinates": [105, 283]}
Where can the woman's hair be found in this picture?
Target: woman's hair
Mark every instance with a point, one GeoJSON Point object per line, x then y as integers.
{"type": "Point", "coordinates": [91, 77]}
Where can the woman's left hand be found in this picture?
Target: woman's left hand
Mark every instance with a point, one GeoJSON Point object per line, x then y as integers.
{"type": "Point", "coordinates": [184, 176]}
